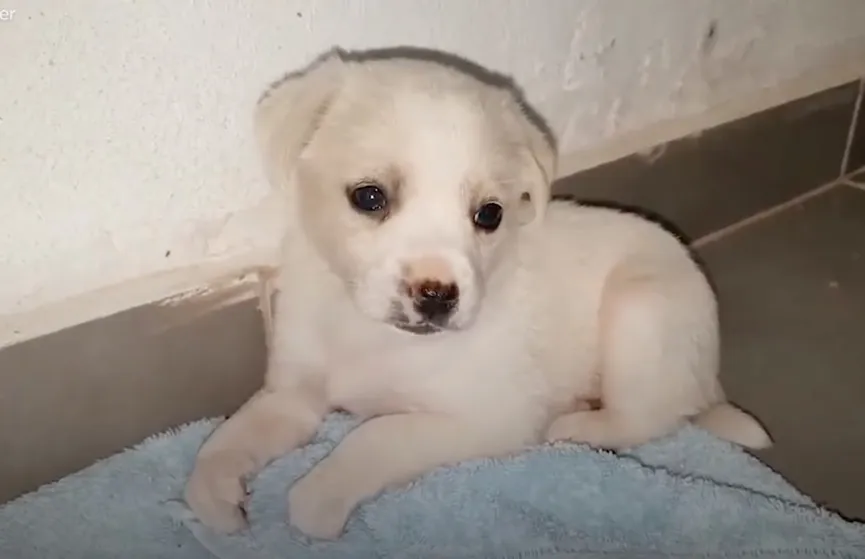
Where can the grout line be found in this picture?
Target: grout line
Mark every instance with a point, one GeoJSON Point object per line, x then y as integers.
{"type": "Point", "coordinates": [853, 184]}
{"type": "Point", "coordinates": [857, 172]}
{"type": "Point", "coordinates": [851, 132]}
{"type": "Point", "coordinates": [716, 235]}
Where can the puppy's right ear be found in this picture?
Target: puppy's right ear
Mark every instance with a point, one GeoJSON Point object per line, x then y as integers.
{"type": "Point", "coordinates": [289, 114]}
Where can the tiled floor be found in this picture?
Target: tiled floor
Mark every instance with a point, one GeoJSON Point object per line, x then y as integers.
{"type": "Point", "coordinates": [792, 294]}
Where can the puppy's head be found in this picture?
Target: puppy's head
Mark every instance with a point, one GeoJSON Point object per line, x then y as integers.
{"type": "Point", "coordinates": [412, 181]}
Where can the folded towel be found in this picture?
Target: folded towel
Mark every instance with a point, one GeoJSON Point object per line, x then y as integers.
{"type": "Point", "coordinates": [689, 495]}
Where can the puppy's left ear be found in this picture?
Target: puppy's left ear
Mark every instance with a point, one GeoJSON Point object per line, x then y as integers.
{"type": "Point", "coordinates": [289, 114]}
{"type": "Point", "coordinates": [541, 160]}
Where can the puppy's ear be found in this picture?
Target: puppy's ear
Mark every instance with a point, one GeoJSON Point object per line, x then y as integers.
{"type": "Point", "coordinates": [289, 114]}
{"type": "Point", "coordinates": [542, 159]}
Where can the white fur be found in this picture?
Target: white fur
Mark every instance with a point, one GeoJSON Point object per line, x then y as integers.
{"type": "Point", "coordinates": [562, 304]}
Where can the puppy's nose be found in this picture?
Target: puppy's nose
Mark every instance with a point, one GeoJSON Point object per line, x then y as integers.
{"type": "Point", "coordinates": [435, 301]}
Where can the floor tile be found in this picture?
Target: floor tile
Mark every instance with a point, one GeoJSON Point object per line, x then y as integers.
{"type": "Point", "coordinates": [792, 296]}
{"type": "Point", "coordinates": [734, 170]}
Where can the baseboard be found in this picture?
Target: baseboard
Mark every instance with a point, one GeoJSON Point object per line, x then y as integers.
{"type": "Point", "coordinates": [84, 393]}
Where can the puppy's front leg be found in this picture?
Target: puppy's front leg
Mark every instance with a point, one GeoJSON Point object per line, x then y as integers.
{"type": "Point", "coordinates": [384, 452]}
{"type": "Point", "coordinates": [271, 423]}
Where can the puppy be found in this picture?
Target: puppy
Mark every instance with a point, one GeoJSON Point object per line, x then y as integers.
{"type": "Point", "coordinates": [429, 286]}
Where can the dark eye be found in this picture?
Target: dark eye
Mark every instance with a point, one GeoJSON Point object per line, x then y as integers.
{"type": "Point", "coordinates": [368, 198]}
{"type": "Point", "coordinates": [488, 217]}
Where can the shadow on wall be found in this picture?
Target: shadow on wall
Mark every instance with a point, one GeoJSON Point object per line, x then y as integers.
{"type": "Point", "coordinates": [443, 58]}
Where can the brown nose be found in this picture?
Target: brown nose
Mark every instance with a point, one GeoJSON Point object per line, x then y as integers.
{"type": "Point", "coordinates": [435, 301]}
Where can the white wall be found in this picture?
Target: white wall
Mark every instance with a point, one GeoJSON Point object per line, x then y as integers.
{"type": "Point", "coordinates": [126, 167]}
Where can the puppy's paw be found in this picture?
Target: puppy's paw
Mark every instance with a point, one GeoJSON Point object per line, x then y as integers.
{"type": "Point", "coordinates": [217, 496]}
{"type": "Point", "coordinates": [602, 429]}
{"type": "Point", "coordinates": [318, 506]}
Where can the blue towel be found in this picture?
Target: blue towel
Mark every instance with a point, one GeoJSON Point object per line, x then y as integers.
{"type": "Point", "coordinates": [689, 495]}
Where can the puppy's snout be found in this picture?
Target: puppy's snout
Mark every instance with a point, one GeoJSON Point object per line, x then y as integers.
{"type": "Point", "coordinates": [435, 301]}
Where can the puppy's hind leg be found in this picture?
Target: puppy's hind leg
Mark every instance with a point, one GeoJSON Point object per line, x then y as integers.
{"type": "Point", "coordinates": [658, 348]}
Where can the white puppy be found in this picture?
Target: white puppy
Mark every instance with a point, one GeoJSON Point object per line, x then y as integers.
{"type": "Point", "coordinates": [430, 287]}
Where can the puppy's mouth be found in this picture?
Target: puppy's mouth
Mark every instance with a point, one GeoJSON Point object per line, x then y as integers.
{"type": "Point", "coordinates": [422, 329]}
{"type": "Point", "coordinates": [400, 320]}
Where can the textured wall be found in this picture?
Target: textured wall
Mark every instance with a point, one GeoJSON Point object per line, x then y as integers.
{"type": "Point", "coordinates": [124, 126]}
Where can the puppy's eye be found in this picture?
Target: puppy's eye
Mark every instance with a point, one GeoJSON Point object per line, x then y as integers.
{"type": "Point", "coordinates": [488, 217]}
{"type": "Point", "coordinates": [368, 198]}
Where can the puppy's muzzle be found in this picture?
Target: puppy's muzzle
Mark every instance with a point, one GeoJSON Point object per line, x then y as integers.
{"type": "Point", "coordinates": [429, 296]}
